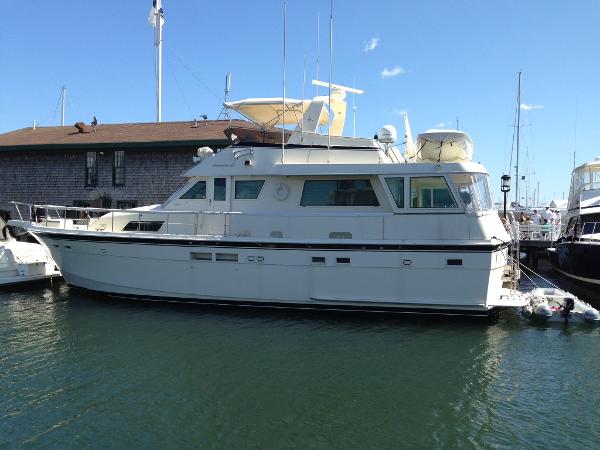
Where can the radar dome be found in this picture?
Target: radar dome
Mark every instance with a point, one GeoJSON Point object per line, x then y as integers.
{"type": "Point", "coordinates": [388, 134]}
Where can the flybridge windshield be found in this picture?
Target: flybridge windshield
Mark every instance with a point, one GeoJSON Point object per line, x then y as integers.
{"type": "Point", "coordinates": [474, 191]}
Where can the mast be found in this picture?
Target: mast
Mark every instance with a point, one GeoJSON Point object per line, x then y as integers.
{"type": "Point", "coordinates": [518, 137]}
{"type": "Point", "coordinates": [63, 95]}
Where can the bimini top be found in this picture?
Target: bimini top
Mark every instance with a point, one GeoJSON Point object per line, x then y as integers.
{"type": "Point", "coordinates": [269, 112]}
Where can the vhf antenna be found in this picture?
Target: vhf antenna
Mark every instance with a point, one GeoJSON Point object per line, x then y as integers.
{"type": "Point", "coordinates": [225, 110]}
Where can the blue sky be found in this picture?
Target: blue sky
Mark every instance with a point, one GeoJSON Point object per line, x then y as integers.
{"type": "Point", "coordinates": [445, 60]}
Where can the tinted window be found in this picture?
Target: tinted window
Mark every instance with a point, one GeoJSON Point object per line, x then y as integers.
{"type": "Point", "coordinates": [396, 186]}
{"type": "Point", "coordinates": [135, 225]}
{"type": "Point", "coordinates": [197, 191]}
{"type": "Point", "coordinates": [430, 192]}
{"type": "Point", "coordinates": [219, 190]}
{"type": "Point", "coordinates": [338, 193]}
{"type": "Point", "coordinates": [248, 189]}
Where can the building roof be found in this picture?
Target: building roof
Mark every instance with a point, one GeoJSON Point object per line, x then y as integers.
{"type": "Point", "coordinates": [126, 135]}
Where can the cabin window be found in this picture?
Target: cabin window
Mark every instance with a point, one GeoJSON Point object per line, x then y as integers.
{"type": "Point", "coordinates": [396, 186]}
{"type": "Point", "coordinates": [91, 169]}
{"type": "Point", "coordinates": [219, 189]}
{"type": "Point", "coordinates": [136, 225]}
{"type": "Point", "coordinates": [430, 192]}
{"type": "Point", "coordinates": [196, 192]}
{"type": "Point", "coordinates": [248, 189]}
{"type": "Point", "coordinates": [126, 204]}
{"type": "Point", "coordinates": [338, 193]}
{"type": "Point", "coordinates": [119, 168]}
{"type": "Point", "coordinates": [473, 190]}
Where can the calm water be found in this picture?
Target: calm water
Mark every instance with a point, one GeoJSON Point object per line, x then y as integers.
{"type": "Point", "coordinates": [83, 371]}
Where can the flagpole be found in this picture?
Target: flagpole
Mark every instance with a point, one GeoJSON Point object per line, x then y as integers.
{"type": "Point", "coordinates": [158, 42]}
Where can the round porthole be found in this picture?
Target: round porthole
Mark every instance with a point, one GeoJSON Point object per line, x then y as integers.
{"type": "Point", "coordinates": [281, 191]}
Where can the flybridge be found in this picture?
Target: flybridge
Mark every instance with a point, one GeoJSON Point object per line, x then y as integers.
{"type": "Point", "coordinates": [306, 115]}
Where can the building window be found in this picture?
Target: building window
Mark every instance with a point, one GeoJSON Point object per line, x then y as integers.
{"type": "Point", "coordinates": [119, 168]}
{"type": "Point", "coordinates": [338, 193]}
{"type": "Point", "coordinates": [396, 185]}
{"type": "Point", "coordinates": [431, 192]}
{"type": "Point", "coordinates": [126, 204]}
{"type": "Point", "coordinates": [91, 169]}
{"type": "Point", "coordinates": [248, 189]}
{"type": "Point", "coordinates": [197, 191]}
{"type": "Point", "coordinates": [219, 189]}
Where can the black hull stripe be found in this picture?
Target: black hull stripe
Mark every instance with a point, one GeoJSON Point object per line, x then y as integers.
{"type": "Point", "coordinates": [433, 312]}
{"type": "Point", "coordinates": [272, 245]}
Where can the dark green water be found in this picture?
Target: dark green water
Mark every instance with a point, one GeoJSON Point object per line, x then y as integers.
{"type": "Point", "coordinates": [81, 371]}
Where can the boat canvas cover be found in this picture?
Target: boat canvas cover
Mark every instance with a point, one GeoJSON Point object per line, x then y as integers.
{"type": "Point", "coordinates": [269, 112]}
{"type": "Point", "coordinates": [444, 146]}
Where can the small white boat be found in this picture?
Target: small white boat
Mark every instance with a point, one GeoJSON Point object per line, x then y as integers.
{"type": "Point", "coordinates": [23, 262]}
{"type": "Point", "coordinates": [556, 305]}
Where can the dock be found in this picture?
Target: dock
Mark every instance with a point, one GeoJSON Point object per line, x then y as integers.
{"type": "Point", "coordinates": [536, 238]}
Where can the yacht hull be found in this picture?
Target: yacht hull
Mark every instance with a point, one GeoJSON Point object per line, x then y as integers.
{"type": "Point", "coordinates": [382, 276]}
{"type": "Point", "coordinates": [577, 260]}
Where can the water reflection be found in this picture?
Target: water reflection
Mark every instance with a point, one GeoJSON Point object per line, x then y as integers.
{"type": "Point", "coordinates": [77, 365]}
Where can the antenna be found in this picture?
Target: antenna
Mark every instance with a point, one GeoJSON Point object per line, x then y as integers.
{"type": "Point", "coordinates": [63, 95]}
{"type": "Point", "coordinates": [331, 112]}
{"type": "Point", "coordinates": [354, 108]}
{"type": "Point", "coordinates": [225, 111]}
{"type": "Point", "coordinates": [303, 97]}
{"type": "Point", "coordinates": [283, 100]}
{"type": "Point", "coordinates": [318, 46]}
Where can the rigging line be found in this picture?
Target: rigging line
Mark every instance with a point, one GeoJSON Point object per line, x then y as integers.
{"type": "Point", "coordinates": [192, 71]}
{"type": "Point", "coordinates": [181, 92]}
{"type": "Point", "coordinates": [56, 108]}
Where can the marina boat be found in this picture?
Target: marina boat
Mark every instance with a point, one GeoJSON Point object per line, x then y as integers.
{"type": "Point", "coordinates": [23, 262]}
{"type": "Point", "coordinates": [556, 305]}
{"type": "Point", "coordinates": [577, 251]}
{"type": "Point", "coordinates": [307, 220]}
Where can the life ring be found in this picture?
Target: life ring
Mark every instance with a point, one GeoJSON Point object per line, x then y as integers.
{"type": "Point", "coordinates": [281, 191]}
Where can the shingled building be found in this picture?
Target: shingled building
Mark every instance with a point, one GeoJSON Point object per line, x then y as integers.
{"type": "Point", "coordinates": [109, 166]}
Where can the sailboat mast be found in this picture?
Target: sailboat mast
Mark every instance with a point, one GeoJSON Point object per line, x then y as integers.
{"type": "Point", "coordinates": [518, 138]}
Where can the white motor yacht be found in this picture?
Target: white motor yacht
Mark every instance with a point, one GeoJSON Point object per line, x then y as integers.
{"type": "Point", "coordinates": [296, 218]}
{"type": "Point", "coordinates": [23, 262]}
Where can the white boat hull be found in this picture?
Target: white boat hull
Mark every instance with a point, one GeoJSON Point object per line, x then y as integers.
{"type": "Point", "coordinates": [307, 274]}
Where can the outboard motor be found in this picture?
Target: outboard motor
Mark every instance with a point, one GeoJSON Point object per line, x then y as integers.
{"type": "Point", "coordinates": [567, 308]}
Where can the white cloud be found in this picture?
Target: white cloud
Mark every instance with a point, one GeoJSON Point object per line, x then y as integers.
{"type": "Point", "coordinates": [527, 107]}
{"type": "Point", "coordinates": [371, 45]}
{"type": "Point", "coordinates": [387, 73]}
{"type": "Point", "coordinates": [399, 112]}
{"type": "Point", "coordinates": [442, 124]}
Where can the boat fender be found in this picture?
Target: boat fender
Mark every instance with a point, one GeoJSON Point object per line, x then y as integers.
{"type": "Point", "coordinates": [542, 311]}
{"type": "Point", "coordinates": [591, 315]}
{"type": "Point", "coordinates": [281, 191]}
